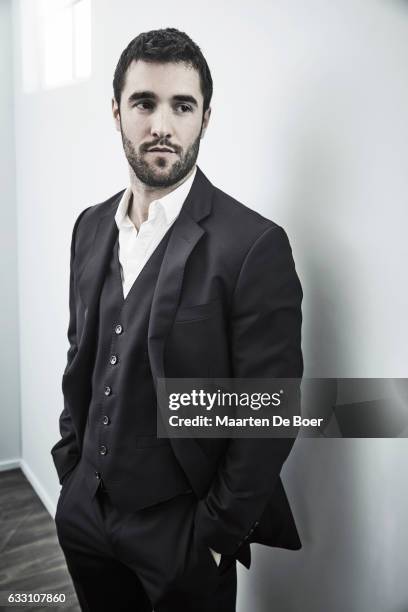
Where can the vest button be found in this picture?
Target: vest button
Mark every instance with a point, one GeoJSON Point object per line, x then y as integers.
{"type": "Point", "coordinates": [106, 420]}
{"type": "Point", "coordinates": [97, 476]}
{"type": "Point", "coordinates": [107, 390]}
{"type": "Point", "coordinates": [103, 450]}
{"type": "Point", "coordinates": [118, 329]}
{"type": "Point", "coordinates": [113, 359]}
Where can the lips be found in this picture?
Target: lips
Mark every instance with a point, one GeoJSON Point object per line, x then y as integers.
{"type": "Point", "coordinates": [160, 150]}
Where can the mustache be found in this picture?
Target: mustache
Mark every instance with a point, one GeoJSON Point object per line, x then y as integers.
{"type": "Point", "coordinates": [163, 142]}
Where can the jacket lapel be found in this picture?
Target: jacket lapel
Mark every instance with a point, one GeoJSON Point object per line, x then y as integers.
{"type": "Point", "coordinates": [183, 239]}
{"type": "Point", "coordinates": [92, 276]}
{"type": "Point", "coordinates": [89, 288]}
{"type": "Point", "coordinates": [185, 234]}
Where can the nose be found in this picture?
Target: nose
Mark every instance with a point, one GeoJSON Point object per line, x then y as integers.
{"type": "Point", "coordinates": [161, 124]}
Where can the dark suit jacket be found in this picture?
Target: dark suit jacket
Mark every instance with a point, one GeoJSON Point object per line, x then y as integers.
{"type": "Point", "coordinates": [227, 304]}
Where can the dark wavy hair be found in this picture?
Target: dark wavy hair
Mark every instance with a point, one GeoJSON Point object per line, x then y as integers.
{"type": "Point", "coordinates": [162, 46]}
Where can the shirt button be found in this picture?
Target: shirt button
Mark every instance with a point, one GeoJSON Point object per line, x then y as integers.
{"type": "Point", "coordinates": [118, 329]}
{"type": "Point", "coordinates": [107, 390]}
{"type": "Point", "coordinates": [103, 450]}
{"type": "Point", "coordinates": [106, 420]}
{"type": "Point", "coordinates": [97, 476]}
{"type": "Point", "coordinates": [113, 359]}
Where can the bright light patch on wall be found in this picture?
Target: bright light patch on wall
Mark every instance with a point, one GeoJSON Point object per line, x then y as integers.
{"type": "Point", "coordinates": [56, 37]}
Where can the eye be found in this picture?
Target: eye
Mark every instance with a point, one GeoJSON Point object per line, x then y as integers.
{"type": "Point", "coordinates": [144, 105]}
{"type": "Point", "coordinates": [183, 108]}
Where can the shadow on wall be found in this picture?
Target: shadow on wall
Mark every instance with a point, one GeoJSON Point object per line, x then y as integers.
{"type": "Point", "coordinates": [320, 478]}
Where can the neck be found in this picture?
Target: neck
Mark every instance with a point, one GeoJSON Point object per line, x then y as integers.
{"type": "Point", "coordinates": [143, 195]}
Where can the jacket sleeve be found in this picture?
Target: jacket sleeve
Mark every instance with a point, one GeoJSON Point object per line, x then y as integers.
{"type": "Point", "coordinates": [65, 452]}
{"type": "Point", "coordinates": [266, 323]}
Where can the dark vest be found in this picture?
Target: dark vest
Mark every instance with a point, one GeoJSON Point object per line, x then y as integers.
{"type": "Point", "coordinates": [120, 450]}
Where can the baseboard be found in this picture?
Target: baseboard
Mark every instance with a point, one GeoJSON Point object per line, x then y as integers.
{"type": "Point", "coordinates": [38, 488]}
{"type": "Point", "coordinates": [10, 464]}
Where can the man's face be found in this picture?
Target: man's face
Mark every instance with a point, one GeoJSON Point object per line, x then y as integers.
{"type": "Point", "coordinates": [161, 121]}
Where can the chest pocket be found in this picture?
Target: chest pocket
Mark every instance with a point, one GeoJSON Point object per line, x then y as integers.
{"type": "Point", "coordinates": [199, 312]}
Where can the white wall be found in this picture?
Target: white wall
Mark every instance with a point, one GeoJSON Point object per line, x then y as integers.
{"type": "Point", "coordinates": [9, 362]}
{"type": "Point", "coordinates": [309, 127]}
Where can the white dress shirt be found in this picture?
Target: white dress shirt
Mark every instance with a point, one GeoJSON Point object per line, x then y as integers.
{"type": "Point", "coordinates": [135, 247]}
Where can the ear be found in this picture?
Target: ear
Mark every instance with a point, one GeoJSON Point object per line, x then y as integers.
{"type": "Point", "coordinates": [206, 119]}
{"type": "Point", "coordinates": [116, 114]}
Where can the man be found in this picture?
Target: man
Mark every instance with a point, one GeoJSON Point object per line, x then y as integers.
{"type": "Point", "coordinates": [169, 278]}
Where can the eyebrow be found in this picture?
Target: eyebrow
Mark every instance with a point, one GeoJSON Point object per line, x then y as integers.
{"type": "Point", "coordinates": [150, 95]}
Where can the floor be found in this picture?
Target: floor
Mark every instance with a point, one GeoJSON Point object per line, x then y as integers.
{"type": "Point", "coordinates": [30, 556]}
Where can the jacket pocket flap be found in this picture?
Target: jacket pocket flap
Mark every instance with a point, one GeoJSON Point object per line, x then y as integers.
{"type": "Point", "coordinates": [197, 312]}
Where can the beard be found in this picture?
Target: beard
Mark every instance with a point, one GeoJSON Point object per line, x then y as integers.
{"type": "Point", "coordinates": [152, 174]}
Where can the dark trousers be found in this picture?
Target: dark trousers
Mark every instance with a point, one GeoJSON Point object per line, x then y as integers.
{"type": "Point", "coordinates": [137, 561]}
